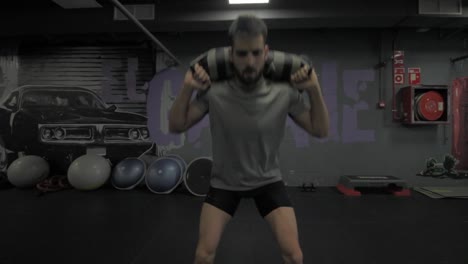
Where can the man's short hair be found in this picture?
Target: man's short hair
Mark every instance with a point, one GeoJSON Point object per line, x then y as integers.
{"type": "Point", "coordinates": [250, 25]}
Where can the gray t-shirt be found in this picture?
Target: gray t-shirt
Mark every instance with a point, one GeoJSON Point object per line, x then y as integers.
{"type": "Point", "coordinates": [247, 129]}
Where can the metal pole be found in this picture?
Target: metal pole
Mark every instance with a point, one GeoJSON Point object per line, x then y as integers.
{"type": "Point", "coordinates": [146, 31]}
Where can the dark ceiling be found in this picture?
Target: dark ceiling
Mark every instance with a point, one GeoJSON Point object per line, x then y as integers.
{"type": "Point", "coordinates": [24, 17]}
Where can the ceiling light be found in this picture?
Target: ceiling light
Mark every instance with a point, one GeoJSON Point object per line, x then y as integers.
{"type": "Point", "coordinates": [422, 30]}
{"type": "Point", "coordinates": [236, 2]}
{"type": "Point", "coordinates": [69, 4]}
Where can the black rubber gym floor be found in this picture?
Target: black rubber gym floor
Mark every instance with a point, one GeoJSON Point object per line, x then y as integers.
{"type": "Point", "coordinates": [111, 226]}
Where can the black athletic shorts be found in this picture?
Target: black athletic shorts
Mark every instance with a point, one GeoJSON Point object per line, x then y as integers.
{"type": "Point", "coordinates": [267, 198]}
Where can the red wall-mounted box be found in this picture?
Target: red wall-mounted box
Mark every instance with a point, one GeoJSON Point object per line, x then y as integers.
{"type": "Point", "coordinates": [424, 105]}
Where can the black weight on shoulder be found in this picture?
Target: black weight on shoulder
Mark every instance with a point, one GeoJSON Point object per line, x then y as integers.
{"type": "Point", "coordinates": [278, 66]}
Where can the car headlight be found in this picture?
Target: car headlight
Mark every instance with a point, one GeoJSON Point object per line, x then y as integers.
{"type": "Point", "coordinates": [144, 133]}
{"type": "Point", "coordinates": [133, 134]}
{"type": "Point", "coordinates": [59, 133]}
{"type": "Point", "coordinates": [46, 133]}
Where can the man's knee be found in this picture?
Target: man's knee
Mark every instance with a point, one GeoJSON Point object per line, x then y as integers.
{"type": "Point", "coordinates": [204, 256]}
{"type": "Point", "coordinates": [293, 256]}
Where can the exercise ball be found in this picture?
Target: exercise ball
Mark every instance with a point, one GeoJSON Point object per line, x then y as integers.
{"type": "Point", "coordinates": [198, 176]}
{"type": "Point", "coordinates": [89, 172]}
{"type": "Point", "coordinates": [27, 171]}
{"type": "Point", "coordinates": [128, 173]}
{"type": "Point", "coordinates": [164, 175]}
{"type": "Point", "coordinates": [179, 159]}
{"type": "Point", "coordinates": [148, 159]}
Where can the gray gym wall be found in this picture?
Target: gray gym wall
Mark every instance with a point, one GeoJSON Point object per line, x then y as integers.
{"type": "Point", "coordinates": [345, 61]}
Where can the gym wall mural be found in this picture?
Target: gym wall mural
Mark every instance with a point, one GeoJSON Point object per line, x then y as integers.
{"type": "Point", "coordinates": [97, 96]}
{"type": "Point", "coordinates": [61, 102]}
{"type": "Point", "coordinates": [8, 81]}
{"type": "Point", "coordinates": [72, 100]}
{"type": "Point", "coordinates": [344, 126]}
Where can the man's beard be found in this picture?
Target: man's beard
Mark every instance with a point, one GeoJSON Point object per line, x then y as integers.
{"type": "Point", "coordinates": [248, 76]}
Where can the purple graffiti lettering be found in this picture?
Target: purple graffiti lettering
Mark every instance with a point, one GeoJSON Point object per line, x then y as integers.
{"type": "Point", "coordinates": [162, 89]}
{"type": "Point", "coordinates": [354, 83]}
{"type": "Point", "coordinates": [328, 82]}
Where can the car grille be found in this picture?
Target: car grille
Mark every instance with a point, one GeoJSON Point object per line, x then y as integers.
{"type": "Point", "coordinates": [116, 134]}
{"type": "Point", "coordinates": [78, 133]}
{"type": "Point", "coordinates": [96, 134]}
{"type": "Point", "coordinates": [124, 134]}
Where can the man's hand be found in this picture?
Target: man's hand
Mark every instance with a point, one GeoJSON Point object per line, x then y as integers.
{"type": "Point", "coordinates": [305, 79]}
{"type": "Point", "coordinates": [198, 79]}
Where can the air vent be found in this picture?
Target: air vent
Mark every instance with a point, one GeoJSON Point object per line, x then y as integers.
{"type": "Point", "coordinates": [440, 7]}
{"type": "Point", "coordinates": [140, 12]}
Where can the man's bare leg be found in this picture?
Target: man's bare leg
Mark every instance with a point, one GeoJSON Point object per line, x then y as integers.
{"type": "Point", "coordinates": [283, 223]}
{"type": "Point", "coordinates": [212, 224]}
